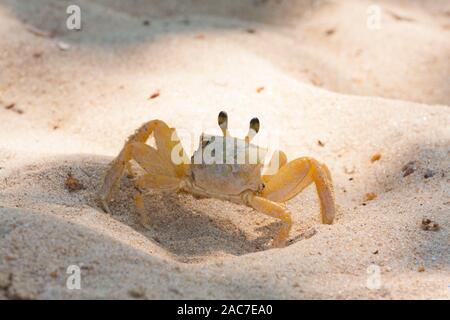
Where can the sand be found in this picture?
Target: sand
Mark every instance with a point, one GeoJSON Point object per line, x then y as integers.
{"type": "Point", "coordinates": [69, 99]}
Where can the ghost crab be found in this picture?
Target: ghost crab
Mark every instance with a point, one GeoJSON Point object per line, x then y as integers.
{"type": "Point", "coordinates": [242, 183]}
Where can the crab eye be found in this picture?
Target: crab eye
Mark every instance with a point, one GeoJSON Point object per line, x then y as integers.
{"type": "Point", "coordinates": [222, 119]}
{"type": "Point", "coordinates": [253, 130]}
{"type": "Point", "coordinates": [254, 124]}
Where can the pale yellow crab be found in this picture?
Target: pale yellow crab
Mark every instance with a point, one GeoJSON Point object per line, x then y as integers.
{"type": "Point", "coordinates": [219, 174]}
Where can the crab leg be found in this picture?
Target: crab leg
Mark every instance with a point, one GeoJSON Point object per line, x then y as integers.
{"type": "Point", "coordinates": [295, 176]}
{"type": "Point", "coordinates": [140, 208]}
{"type": "Point", "coordinates": [275, 210]}
{"type": "Point", "coordinates": [151, 181]}
{"type": "Point", "coordinates": [154, 161]}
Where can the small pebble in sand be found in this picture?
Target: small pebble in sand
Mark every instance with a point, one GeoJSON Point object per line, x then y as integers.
{"type": "Point", "coordinates": [73, 184]}
{"type": "Point", "coordinates": [259, 89]}
{"type": "Point", "coordinates": [409, 168]}
{"type": "Point", "coordinates": [375, 252]}
{"type": "Point", "coordinates": [250, 30]}
{"type": "Point", "coordinates": [9, 258]}
{"type": "Point", "coordinates": [86, 267]}
{"type": "Point", "coordinates": [349, 171]}
{"type": "Point", "coordinates": [38, 32]}
{"type": "Point", "coordinates": [370, 196]}
{"type": "Point", "coordinates": [145, 23]}
{"type": "Point", "coordinates": [429, 225]}
{"type": "Point", "coordinates": [137, 293]}
{"type": "Point", "coordinates": [315, 80]}
{"type": "Point", "coordinates": [421, 269]}
{"type": "Point", "coordinates": [320, 143]}
{"type": "Point", "coordinates": [174, 290]}
{"type": "Point", "coordinates": [154, 95]}
{"type": "Point", "coordinates": [375, 157]}
{"type": "Point", "coordinates": [330, 32]}
{"type": "Point", "coordinates": [63, 46]}
{"type": "Point", "coordinates": [428, 174]}
{"type": "Point", "coordinates": [398, 17]}
{"type": "Point", "coordinates": [12, 107]}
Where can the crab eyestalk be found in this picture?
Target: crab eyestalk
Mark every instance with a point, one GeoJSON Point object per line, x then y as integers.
{"type": "Point", "coordinates": [253, 130]}
{"type": "Point", "coordinates": [222, 119]}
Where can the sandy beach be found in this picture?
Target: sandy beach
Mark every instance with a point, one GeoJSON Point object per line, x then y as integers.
{"type": "Point", "coordinates": [362, 86]}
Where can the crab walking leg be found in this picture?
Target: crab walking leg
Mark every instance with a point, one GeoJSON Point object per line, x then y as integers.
{"type": "Point", "coordinates": [295, 176]}
{"type": "Point", "coordinates": [146, 156]}
{"type": "Point", "coordinates": [150, 181]}
{"type": "Point", "coordinates": [275, 210]}
{"type": "Point", "coordinates": [151, 160]}
{"type": "Point", "coordinates": [166, 140]}
{"type": "Point", "coordinates": [327, 172]}
{"type": "Point", "coordinates": [140, 208]}
{"type": "Point", "coordinates": [142, 135]}
{"type": "Point", "coordinates": [114, 173]}
{"type": "Point", "coordinates": [130, 170]}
